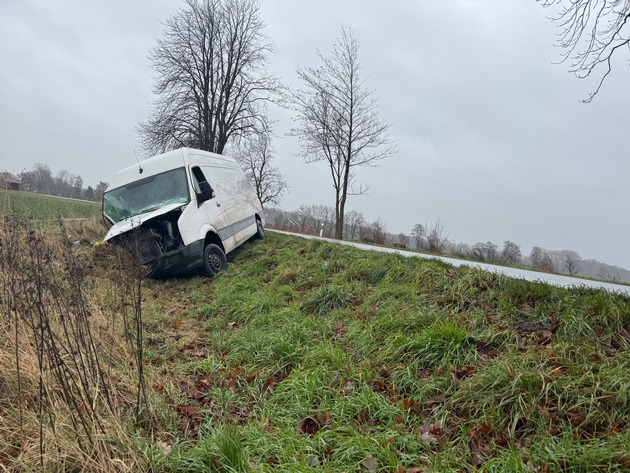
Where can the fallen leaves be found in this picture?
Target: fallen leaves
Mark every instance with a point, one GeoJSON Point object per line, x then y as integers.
{"type": "Point", "coordinates": [197, 349]}
{"type": "Point", "coordinates": [308, 426]}
{"type": "Point", "coordinates": [433, 433]}
{"type": "Point", "coordinates": [370, 463]}
{"type": "Point", "coordinates": [314, 423]}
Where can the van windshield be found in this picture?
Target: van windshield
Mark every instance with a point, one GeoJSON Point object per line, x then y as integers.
{"type": "Point", "coordinates": [146, 195]}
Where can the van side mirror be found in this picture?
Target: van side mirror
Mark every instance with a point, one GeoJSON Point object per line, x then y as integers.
{"type": "Point", "coordinates": [207, 192]}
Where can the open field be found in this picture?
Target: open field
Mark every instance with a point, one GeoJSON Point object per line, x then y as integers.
{"type": "Point", "coordinates": [35, 206]}
{"type": "Point", "coordinates": [309, 356]}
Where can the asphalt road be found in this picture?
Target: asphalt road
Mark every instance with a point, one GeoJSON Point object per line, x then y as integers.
{"type": "Point", "coordinates": [555, 279]}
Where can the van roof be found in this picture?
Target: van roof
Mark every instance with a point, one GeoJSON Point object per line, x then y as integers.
{"type": "Point", "coordinates": [160, 163]}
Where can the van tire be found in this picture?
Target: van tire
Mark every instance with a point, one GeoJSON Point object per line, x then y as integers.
{"type": "Point", "coordinates": [260, 231]}
{"type": "Point", "coordinates": [214, 259]}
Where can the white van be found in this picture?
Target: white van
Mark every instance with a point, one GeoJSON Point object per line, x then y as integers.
{"type": "Point", "coordinates": [182, 211]}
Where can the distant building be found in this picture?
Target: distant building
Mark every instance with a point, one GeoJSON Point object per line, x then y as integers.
{"type": "Point", "coordinates": [8, 181]}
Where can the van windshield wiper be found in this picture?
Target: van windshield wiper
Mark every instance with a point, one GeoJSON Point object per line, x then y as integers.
{"type": "Point", "coordinates": [149, 209]}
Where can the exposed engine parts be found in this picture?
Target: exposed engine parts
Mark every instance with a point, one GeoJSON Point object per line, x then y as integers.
{"type": "Point", "coordinates": [153, 238]}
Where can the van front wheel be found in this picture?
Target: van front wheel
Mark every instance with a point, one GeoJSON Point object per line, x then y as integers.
{"type": "Point", "coordinates": [214, 259]}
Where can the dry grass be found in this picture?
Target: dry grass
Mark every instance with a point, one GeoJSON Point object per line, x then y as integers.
{"type": "Point", "coordinates": [66, 338]}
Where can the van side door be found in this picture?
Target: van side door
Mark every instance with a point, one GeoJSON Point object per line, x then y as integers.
{"type": "Point", "coordinates": [210, 207]}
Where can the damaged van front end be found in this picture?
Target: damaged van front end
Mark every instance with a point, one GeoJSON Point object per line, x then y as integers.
{"type": "Point", "coordinates": [156, 241]}
{"type": "Point", "coordinates": [145, 216]}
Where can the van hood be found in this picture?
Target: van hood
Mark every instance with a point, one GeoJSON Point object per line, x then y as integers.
{"type": "Point", "coordinates": [134, 222]}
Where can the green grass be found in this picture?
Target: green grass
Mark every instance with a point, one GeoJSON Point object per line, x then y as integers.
{"type": "Point", "coordinates": [316, 357]}
{"type": "Point", "coordinates": [45, 207]}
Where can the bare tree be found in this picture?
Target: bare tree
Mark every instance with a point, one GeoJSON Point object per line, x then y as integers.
{"type": "Point", "coordinates": [536, 256]}
{"type": "Point", "coordinates": [324, 217]}
{"type": "Point", "coordinates": [571, 261]}
{"type": "Point", "coordinates": [338, 120]}
{"type": "Point", "coordinates": [376, 232]}
{"type": "Point", "coordinates": [540, 259]}
{"type": "Point", "coordinates": [77, 187]}
{"type": "Point", "coordinates": [354, 223]}
{"type": "Point", "coordinates": [313, 218]}
{"type": "Point", "coordinates": [486, 252]}
{"type": "Point", "coordinates": [592, 32]}
{"type": "Point", "coordinates": [608, 275]}
{"type": "Point", "coordinates": [510, 254]}
{"type": "Point", "coordinates": [255, 154]}
{"type": "Point", "coordinates": [211, 82]}
{"type": "Point", "coordinates": [39, 179]}
{"type": "Point", "coordinates": [99, 190]}
{"type": "Point", "coordinates": [402, 240]}
{"type": "Point", "coordinates": [436, 236]}
{"type": "Point", "coordinates": [62, 183]}
{"type": "Point", "coordinates": [462, 250]}
{"type": "Point", "coordinates": [419, 236]}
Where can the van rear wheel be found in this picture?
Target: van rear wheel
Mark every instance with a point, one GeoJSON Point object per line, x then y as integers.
{"type": "Point", "coordinates": [214, 259]}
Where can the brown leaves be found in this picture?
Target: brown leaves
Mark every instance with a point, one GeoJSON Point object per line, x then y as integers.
{"type": "Point", "coordinates": [365, 418]}
{"type": "Point", "coordinates": [425, 409]}
{"type": "Point", "coordinates": [486, 351]}
{"type": "Point", "coordinates": [435, 433]}
{"type": "Point", "coordinates": [190, 416]}
{"type": "Point", "coordinates": [340, 330]}
{"type": "Point", "coordinates": [278, 377]}
{"type": "Point", "coordinates": [479, 448]}
{"type": "Point", "coordinates": [461, 373]}
{"type": "Point", "coordinates": [312, 424]}
{"type": "Point", "coordinates": [623, 460]}
{"type": "Point", "coordinates": [617, 428]}
{"type": "Point", "coordinates": [540, 333]}
{"type": "Point", "coordinates": [482, 437]}
{"type": "Point", "coordinates": [370, 463]}
{"type": "Point", "coordinates": [196, 349]}
{"type": "Point", "coordinates": [576, 418]}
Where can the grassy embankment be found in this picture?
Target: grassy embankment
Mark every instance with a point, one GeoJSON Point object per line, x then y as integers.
{"type": "Point", "coordinates": [307, 356]}
{"type": "Point", "coordinates": [34, 206]}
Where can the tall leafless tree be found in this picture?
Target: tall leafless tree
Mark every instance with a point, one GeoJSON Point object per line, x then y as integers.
{"type": "Point", "coordinates": [511, 253]}
{"type": "Point", "coordinates": [419, 233]}
{"type": "Point", "coordinates": [592, 32]}
{"type": "Point", "coordinates": [39, 179]}
{"type": "Point", "coordinates": [338, 120]}
{"type": "Point", "coordinates": [486, 252]}
{"type": "Point", "coordinates": [541, 260]}
{"type": "Point", "coordinates": [354, 223]}
{"type": "Point", "coordinates": [436, 236]}
{"type": "Point", "coordinates": [571, 261]}
{"type": "Point", "coordinates": [377, 232]}
{"type": "Point", "coordinates": [255, 154]}
{"type": "Point", "coordinates": [211, 82]}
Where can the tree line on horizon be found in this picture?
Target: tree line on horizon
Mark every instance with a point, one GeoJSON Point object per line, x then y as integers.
{"type": "Point", "coordinates": [41, 180]}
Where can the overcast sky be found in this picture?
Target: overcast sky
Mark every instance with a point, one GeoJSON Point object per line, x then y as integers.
{"type": "Point", "coordinates": [492, 136]}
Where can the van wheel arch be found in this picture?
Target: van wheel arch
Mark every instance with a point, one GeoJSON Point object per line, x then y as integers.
{"type": "Point", "coordinates": [212, 237]}
{"type": "Point", "coordinates": [214, 258]}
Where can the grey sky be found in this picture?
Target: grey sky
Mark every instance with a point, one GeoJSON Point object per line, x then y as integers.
{"type": "Point", "coordinates": [492, 137]}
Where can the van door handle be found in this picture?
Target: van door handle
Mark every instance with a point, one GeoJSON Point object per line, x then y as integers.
{"type": "Point", "coordinates": [218, 204]}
